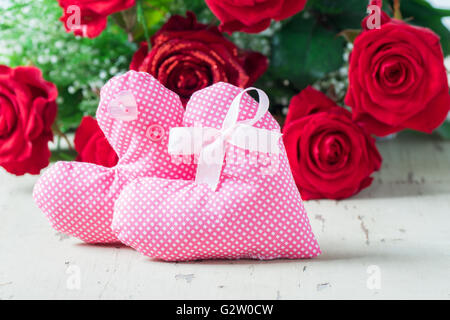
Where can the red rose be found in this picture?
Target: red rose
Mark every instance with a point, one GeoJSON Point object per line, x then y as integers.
{"type": "Point", "coordinates": [330, 155]}
{"type": "Point", "coordinates": [92, 146]}
{"type": "Point", "coordinates": [307, 102]}
{"type": "Point", "coordinates": [88, 18]}
{"type": "Point", "coordinates": [187, 56]}
{"type": "Point", "coordinates": [398, 79]}
{"type": "Point", "coordinates": [252, 16]}
{"type": "Point", "coordinates": [27, 111]}
{"type": "Point", "coordinates": [371, 18]}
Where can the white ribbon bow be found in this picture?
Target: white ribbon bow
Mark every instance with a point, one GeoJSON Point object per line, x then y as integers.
{"type": "Point", "coordinates": [209, 143]}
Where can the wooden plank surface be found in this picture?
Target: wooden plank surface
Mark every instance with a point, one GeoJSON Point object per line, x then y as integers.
{"type": "Point", "coordinates": [390, 241]}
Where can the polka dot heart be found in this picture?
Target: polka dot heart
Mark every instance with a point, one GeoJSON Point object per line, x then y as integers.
{"type": "Point", "coordinates": [254, 213]}
{"type": "Point", "coordinates": [78, 198]}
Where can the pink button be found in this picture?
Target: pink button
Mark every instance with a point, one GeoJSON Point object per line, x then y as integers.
{"type": "Point", "coordinates": [155, 132]}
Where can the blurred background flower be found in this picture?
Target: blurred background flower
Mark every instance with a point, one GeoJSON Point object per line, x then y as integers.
{"type": "Point", "coordinates": [187, 56]}
{"type": "Point", "coordinates": [252, 17]}
{"type": "Point", "coordinates": [27, 111]}
{"type": "Point", "coordinates": [91, 144]}
{"type": "Point", "coordinates": [92, 16]}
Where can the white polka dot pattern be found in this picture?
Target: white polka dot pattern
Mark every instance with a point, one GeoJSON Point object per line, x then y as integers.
{"type": "Point", "coordinates": [78, 198]}
{"type": "Point", "coordinates": [251, 215]}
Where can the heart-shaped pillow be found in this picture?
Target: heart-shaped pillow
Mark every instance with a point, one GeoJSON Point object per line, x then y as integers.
{"type": "Point", "coordinates": [136, 113]}
{"type": "Point", "coordinates": [255, 210]}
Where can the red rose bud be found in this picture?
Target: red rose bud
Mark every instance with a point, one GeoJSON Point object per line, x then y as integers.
{"type": "Point", "coordinates": [27, 111]}
{"type": "Point", "coordinates": [376, 17]}
{"type": "Point", "coordinates": [92, 146]}
{"type": "Point", "coordinates": [397, 79]}
{"type": "Point", "coordinates": [88, 18]}
{"type": "Point", "coordinates": [187, 56]}
{"type": "Point", "coordinates": [252, 16]}
{"type": "Point", "coordinates": [330, 155]}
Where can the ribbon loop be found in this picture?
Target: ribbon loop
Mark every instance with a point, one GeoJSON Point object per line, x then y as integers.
{"type": "Point", "coordinates": [209, 143]}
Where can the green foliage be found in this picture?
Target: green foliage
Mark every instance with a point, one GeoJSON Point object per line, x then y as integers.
{"type": "Point", "coordinates": [199, 7]}
{"type": "Point", "coordinates": [31, 34]}
{"type": "Point", "coordinates": [444, 130]}
{"type": "Point", "coordinates": [421, 13]}
{"type": "Point", "coordinates": [305, 51]}
{"type": "Point", "coordinates": [63, 155]}
{"type": "Point", "coordinates": [144, 18]}
{"type": "Point", "coordinates": [348, 14]}
{"type": "Point", "coordinates": [340, 15]}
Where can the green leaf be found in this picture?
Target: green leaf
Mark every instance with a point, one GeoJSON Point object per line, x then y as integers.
{"type": "Point", "coordinates": [304, 51]}
{"type": "Point", "coordinates": [340, 14]}
{"type": "Point", "coordinates": [444, 130]}
{"type": "Point", "coordinates": [421, 13]}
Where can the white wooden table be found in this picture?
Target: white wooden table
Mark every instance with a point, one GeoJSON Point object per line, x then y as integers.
{"type": "Point", "coordinates": [390, 241]}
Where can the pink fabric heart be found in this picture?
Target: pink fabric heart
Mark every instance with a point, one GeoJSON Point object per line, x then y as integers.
{"type": "Point", "coordinates": [78, 198]}
{"type": "Point", "coordinates": [255, 212]}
